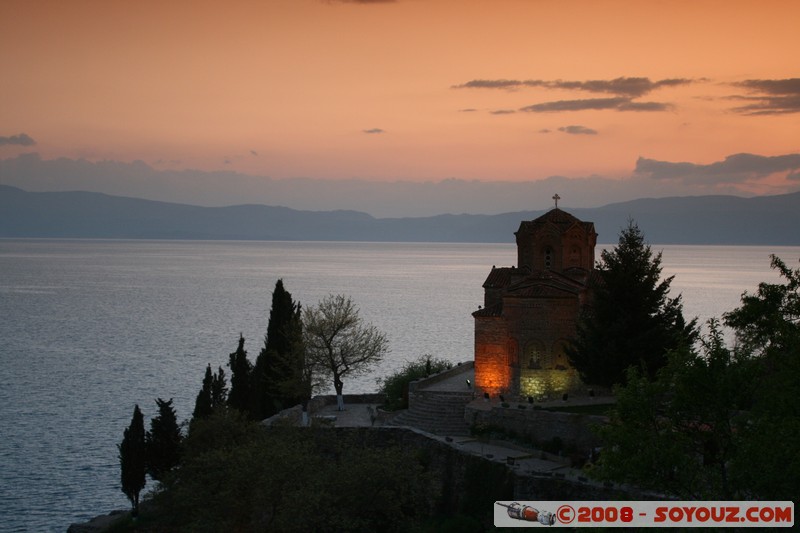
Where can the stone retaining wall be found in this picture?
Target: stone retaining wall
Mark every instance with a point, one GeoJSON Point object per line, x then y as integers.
{"type": "Point", "coordinates": [441, 376]}
{"type": "Point", "coordinates": [322, 400]}
{"type": "Point", "coordinates": [540, 426]}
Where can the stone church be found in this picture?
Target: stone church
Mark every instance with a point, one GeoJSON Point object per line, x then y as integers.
{"type": "Point", "coordinates": [530, 310]}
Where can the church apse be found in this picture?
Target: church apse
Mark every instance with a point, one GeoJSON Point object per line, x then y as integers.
{"type": "Point", "coordinates": [530, 310]}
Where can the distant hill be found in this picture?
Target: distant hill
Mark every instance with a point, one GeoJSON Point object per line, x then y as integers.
{"type": "Point", "coordinates": [767, 220]}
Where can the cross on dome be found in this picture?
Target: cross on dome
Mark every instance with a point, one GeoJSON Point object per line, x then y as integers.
{"type": "Point", "coordinates": [556, 197]}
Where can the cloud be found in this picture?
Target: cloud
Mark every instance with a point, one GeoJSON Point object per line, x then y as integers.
{"type": "Point", "coordinates": [253, 152]}
{"type": "Point", "coordinates": [492, 84]}
{"type": "Point", "coordinates": [645, 106]}
{"type": "Point", "coordinates": [770, 97]}
{"type": "Point", "coordinates": [595, 104]}
{"type": "Point", "coordinates": [575, 105]}
{"type": "Point", "coordinates": [578, 130]}
{"type": "Point", "coordinates": [468, 110]}
{"type": "Point", "coordinates": [374, 131]}
{"type": "Point", "coordinates": [737, 168]}
{"type": "Point", "coordinates": [169, 162]}
{"type": "Point", "coordinates": [624, 91]}
{"type": "Point", "coordinates": [502, 112]}
{"type": "Point", "coordinates": [630, 87]}
{"type": "Point", "coordinates": [400, 198]}
{"type": "Point", "coordinates": [23, 139]}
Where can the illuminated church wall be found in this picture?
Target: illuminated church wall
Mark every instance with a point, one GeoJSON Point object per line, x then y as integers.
{"type": "Point", "coordinates": [531, 310]}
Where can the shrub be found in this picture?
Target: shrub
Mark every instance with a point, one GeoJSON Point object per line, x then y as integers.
{"type": "Point", "coordinates": [395, 386]}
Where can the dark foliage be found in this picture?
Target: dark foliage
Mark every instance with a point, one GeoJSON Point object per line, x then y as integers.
{"type": "Point", "coordinates": [239, 476]}
{"type": "Point", "coordinates": [163, 441]}
{"type": "Point", "coordinates": [679, 434]}
{"type": "Point", "coordinates": [241, 371]}
{"type": "Point", "coordinates": [631, 320]}
{"type": "Point", "coordinates": [280, 377]}
{"type": "Point", "coordinates": [722, 423]}
{"type": "Point", "coordinates": [132, 459]}
{"type": "Point", "coordinates": [395, 386]}
{"type": "Point", "coordinates": [768, 322]}
{"type": "Point", "coordinates": [767, 326]}
{"type": "Point", "coordinates": [212, 395]}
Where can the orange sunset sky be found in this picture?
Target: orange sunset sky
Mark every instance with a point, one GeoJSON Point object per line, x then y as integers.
{"type": "Point", "coordinates": [411, 90]}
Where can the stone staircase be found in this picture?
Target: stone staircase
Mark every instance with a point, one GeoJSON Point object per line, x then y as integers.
{"type": "Point", "coordinates": [437, 412]}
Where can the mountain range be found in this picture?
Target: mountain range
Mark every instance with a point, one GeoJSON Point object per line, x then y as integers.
{"type": "Point", "coordinates": [763, 220]}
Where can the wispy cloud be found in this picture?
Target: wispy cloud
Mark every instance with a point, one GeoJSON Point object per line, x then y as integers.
{"type": "Point", "coordinates": [493, 84]}
{"type": "Point", "coordinates": [738, 168]}
{"type": "Point", "coordinates": [617, 104]}
{"type": "Point", "coordinates": [576, 105]}
{"type": "Point", "coordinates": [502, 112]}
{"type": "Point", "coordinates": [374, 131]}
{"type": "Point", "coordinates": [624, 90]}
{"type": "Point", "coordinates": [769, 97]}
{"type": "Point", "coordinates": [23, 139]}
{"type": "Point", "coordinates": [578, 130]}
{"type": "Point", "coordinates": [630, 87]}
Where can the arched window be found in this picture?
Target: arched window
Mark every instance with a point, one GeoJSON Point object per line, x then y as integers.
{"type": "Point", "coordinates": [534, 354]}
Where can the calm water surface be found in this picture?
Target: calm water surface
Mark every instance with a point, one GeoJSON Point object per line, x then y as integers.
{"type": "Point", "coordinates": [90, 328]}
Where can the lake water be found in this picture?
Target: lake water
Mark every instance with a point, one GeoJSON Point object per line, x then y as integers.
{"type": "Point", "coordinates": [90, 328]}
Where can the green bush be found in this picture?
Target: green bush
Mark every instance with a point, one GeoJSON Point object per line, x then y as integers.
{"type": "Point", "coordinates": [395, 386]}
{"type": "Point", "coordinates": [237, 475]}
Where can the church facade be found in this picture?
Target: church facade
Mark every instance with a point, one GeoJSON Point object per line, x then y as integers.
{"type": "Point", "coordinates": [530, 310]}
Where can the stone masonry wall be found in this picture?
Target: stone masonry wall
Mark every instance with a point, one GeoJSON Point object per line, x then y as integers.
{"type": "Point", "coordinates": [492, 373]}
{"type": "Point", "coordinates": [538, 425]}
{"type": "Point", "coordinates": [460, 368]}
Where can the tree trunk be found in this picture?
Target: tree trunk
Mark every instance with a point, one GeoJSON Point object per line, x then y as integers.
{"type": "Point", "coordinates": [338, 385]}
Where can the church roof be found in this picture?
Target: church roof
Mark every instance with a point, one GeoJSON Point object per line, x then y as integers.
{"type": "Point", "coordinates": [491, 311]}
{"type": "Point", "coordinates": [545, 284]}
{"type": "Point", "coordinates": [522, 283]}
{"type": "Point", "coordinates": [561, 219]}
{"type": "Point", "coordinates": [499, 277]}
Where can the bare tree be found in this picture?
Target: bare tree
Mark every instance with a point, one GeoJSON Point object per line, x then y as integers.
{"type": "Point", "coordinates": [338, 342]}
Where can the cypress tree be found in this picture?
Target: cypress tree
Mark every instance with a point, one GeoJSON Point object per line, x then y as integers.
{"type": "Point", "coordinates": [241, 370]}
{"type": "Point", "coordinates": [133, 459]}
{"type": "Point", "coordinates": [278, 373]}
{"type": "Point", "coordinates": [202, 405]}
{"type": "Point", "coordinates": [163, 441]}
{"type": "Point", "coordinates": [219, 389]}
{"type": "Point", "coordinates": [212, 395]}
